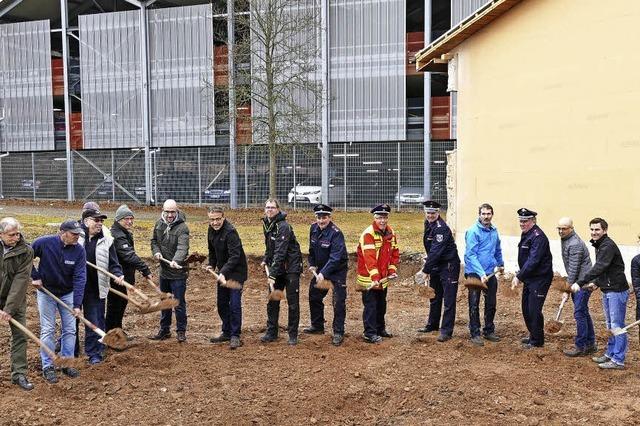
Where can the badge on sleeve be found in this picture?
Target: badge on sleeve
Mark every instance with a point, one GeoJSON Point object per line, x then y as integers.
{"type": "Point", "coordinates": [439, 238]}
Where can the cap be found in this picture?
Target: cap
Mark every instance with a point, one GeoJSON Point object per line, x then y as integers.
{"type": "Point", "coordinates": [381, 209]}
{"type": "Point", "coordinates": [90, 205]}
{"type": "Point", "coordinates": [322, 209]}
{"type": "Point", "coordinates": [93, 214]}
{"type": "Point", "coordinates": [431, 206]}
{"type": "Point", "coordinates": [72, 226]}
{"type": "Point", "coordinates": [524, 213]}
{"type": "Point", "coordinates": [122, 212]}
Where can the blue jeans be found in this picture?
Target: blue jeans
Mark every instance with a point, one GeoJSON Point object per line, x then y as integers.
{"type": "Point", "coordinates": [230, 310]}
{"type": "Point", "coordinates": [585, 335]}
{"type": "Point", "coordinates": [490, 302]}
{"type": "Point", "coordinates": [614, 304]}
{"type": "Point", "coordinates": [93, 310]}
{"type": "Point", "coordinates": [48, 308]}
{"type": "Point", "coordinates": [178, 288]}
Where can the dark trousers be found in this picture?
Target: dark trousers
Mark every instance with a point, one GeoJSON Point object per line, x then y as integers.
{"type": "Point", "coordinates": [534, 294]}
{"type": "Point", "coordinates": [290, 283]}
{"type": "Point", "coordinates": [178, 288]}
{"type": "Point", "coordinates": [636, 290]}
{"type": "Point", "coordinates": [230, 310]}
{"type": "Point", "coordinates": [316, 305]}
{"type": "Point", "coordinates": [375, 308]}
{"type": "Point", "coordinates": [18, 346]}
{"type": "Point", "coordinates": [93, 310]}
{"type": "Point", "coordinates": [585, 334]}
{"type": "Point", "coordinates": [116, 306]}
{"type": "Point", "coordinates": [445, 283]}
{"type": "Point", "coordinates": [490, 301]}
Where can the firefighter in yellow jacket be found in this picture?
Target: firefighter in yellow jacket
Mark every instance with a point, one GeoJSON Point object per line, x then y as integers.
{"type": "Point", "coordinates": [378, 257]}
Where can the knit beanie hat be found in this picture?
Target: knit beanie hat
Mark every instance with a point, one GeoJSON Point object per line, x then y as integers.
{"type": "Point", "coordinates": [122, 212]}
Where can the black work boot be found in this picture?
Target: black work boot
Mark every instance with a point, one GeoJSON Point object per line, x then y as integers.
{"type": "Point", "coordinates": [293, 339]}
{"type": "Point", "coordinates": [337, 339]}
{"type": "Point", "coordinates": [181, 336]}
{"type": "Point", "coordinates": [50, 375]}
{"type": "Point", "coordinates": [22, 381]}
{"type": "Point", "coordinates": [313, 330]}
{"type": "Point", "coordinates": [162, 335]}
{"type": "Point", "coordinates": [221, 338]}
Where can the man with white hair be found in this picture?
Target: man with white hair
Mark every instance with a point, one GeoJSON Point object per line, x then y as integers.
{"type": "Point", "coordinates": [170, 241]}
{"type": "Point", "coordinates": [15, 269]}
{"type": "Point", "coordinates": [577, 262]}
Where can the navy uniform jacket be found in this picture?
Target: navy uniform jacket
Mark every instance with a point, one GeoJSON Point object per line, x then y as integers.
{"type": "Point", "coordinates": [439, 244]}
{"type": "Point", "coordinates": [328, 252]}
{"type": "Point", "coordinates": [534, 256]}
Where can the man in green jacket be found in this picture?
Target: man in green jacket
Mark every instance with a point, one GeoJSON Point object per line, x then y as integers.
{"type": "Point", "coordinates": [15, 276]}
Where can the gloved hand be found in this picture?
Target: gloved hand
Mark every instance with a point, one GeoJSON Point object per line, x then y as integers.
{"type": "Point", "coordinates": [374, 284]}
{"type": "Point", "coordinates": [271, 281]}
{"type": "Point", "coordinates": [392, 276]}
{"type": "Point", "coordinates": [313, 269]}
{"type": "Point", "coordinates": [221, 279]}
{"type": "Point", "coordinates": [158, 256]}
{"type": "Point", "coordinates": [484, 279]}
{"type": "Point", "coordinates": [420, 277]}
{"type": "Point", "coordinates": [319, 278]}
{"type": "Point", "coordinates": [174, 265]}
{"type": "Point", "coordinates": [575, 288]}
{"type": "Point", "coordinates": [498, 269]}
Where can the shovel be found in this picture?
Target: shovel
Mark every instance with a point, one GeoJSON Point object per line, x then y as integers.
{"type": "Point", "coordinates": [274, 294]}
{"type": "Point", "coordinates": [161, 293]}
{"type": "Point", "coordinates": [62, 362]}
{"type": "Point", "coordinates": [324, 285]}
{"type": "Point", "coordinates": [146, 306]}
{"type": "Point", "coordinates": [232, 284]}
{"type": "Point", "coordinates": [554, 326]}
{"type": "Point", "coordinates": [618, 331]}
{"type": "Point", "coordinates": [115, 338]}
{"type": "Point", "coordinates": [473, 283]}
{"type": "Point", "coordinates": [423, 287]}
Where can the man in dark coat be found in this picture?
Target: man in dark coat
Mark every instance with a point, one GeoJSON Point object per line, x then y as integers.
{"type": "Point", "coordinates": [130, 262]}
{"type": "Point", "coordinates": [227, 255]}
{"type": "Point", "coordinates": [283, 258]}
{"type": "Point", "coordinates": [15, 273]}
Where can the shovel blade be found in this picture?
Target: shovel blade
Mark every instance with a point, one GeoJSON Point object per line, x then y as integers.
{"type": "Point", "coordinates": [618, 331]}
{"type": "Point", "coordinates": [159, 306]}
{"type": "Point", "coordinates": [115, 339]}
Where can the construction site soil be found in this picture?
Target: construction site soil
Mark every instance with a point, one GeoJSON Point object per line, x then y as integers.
{"type": "Point", "coordinates": [407, 379]}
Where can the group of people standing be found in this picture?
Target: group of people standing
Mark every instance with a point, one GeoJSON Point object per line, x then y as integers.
{"type": "Point", "coordinates": [65, 275]}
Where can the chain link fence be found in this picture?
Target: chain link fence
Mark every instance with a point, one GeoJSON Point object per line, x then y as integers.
{"type": "Point", "coordinates": [360, 174]}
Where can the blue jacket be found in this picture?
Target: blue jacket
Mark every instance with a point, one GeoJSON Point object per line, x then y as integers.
{"type": "Point", "coordinates": [534, 256]}
{"type": "Point", "coordinates": [62, 269]}
{"type": "Point", "coordinates": [328, 252]}
{"type": "Point", "coordinates": [483, 250]}
{"type": "Point", "coordinates": [439, 244]}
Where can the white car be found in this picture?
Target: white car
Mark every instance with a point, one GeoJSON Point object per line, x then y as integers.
{"type": "Point", "coordinates": [305, 194]}
{"type": "Point", "coordinates": [410, 195]}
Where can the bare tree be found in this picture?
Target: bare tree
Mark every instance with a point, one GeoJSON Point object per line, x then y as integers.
{"type": "Point", "coordinates": [281, 41]}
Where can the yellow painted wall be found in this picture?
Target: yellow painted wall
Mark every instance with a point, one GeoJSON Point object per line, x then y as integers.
{"type": "Point", "coordinates": [549, 116]}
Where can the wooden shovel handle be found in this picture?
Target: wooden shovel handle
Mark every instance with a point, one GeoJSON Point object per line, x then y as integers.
{"type": "Point", "coordinates": [565, 297]}
{"type": "Point", "coordinates": [212, 272]}
{"type": "Point", "coordinates": [33, 337]}
{"type": "Point", "coordinates": [81, 317]}
{"type": "Point", "coordinates": [124, 296]}
{"type": "Point", "coordinates": [126, 284]}
{"type": "Point", "coordinates": [168, 262]}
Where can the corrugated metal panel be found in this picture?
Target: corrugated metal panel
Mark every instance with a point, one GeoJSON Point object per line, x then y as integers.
{"type": "Point", "coordinates": [181, 66]}
{"type": "Point", "coordinates": [295, 62]}
{"type": "Point", "coordinates": [460, 9]}
{"type": "Point", "coordinates": [367, 70]}
{"type": "Point", "coordinates": [110, 80]}
{"type": "Point", "coordinates": [25, 87]}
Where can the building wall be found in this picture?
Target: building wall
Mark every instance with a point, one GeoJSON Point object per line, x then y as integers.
{"type": "Point", "coordinates": [547, 119]}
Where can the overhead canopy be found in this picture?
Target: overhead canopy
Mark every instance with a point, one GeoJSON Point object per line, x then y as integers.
{"type": "Point", "coordinates": [429, 58]}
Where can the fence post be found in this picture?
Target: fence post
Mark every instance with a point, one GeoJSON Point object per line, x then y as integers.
{"type": "Point", "coordinates": [295, 205]}
{"type": "Point", "coordinates": [344, 175]}
{"type": "Point", "coordinates": [199, 179]}
{"type": "Point", "coordinates": [33, 174]}
{"type": "Point", "coordinates": [246, 180]}
{"type": "Point", "coordinates": [113, 178]}
{"type": "Point", "coordinates": [398, 189]}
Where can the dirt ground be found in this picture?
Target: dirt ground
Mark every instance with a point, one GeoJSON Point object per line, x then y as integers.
{"type": "Point", "coordinates": [408, 379]}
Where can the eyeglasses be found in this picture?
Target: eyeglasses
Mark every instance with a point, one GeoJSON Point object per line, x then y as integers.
{"type": "Point", "coordinates": [270, 208]}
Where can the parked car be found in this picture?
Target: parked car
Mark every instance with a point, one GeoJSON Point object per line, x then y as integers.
{"type": "Point", "coordinates": [217, 195]}
{"type": "Point", "coordinates": [29, 184]}
{"type": "Point", "coordinates": [313, 193]}
{"type": "Point", "coordinates": [410, 195]}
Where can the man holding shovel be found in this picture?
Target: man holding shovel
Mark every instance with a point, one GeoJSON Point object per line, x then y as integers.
{"type": "Point", "coordinates": [607, 274]}
{"type": "Point", "coordinates": [130, 262]}
{"type": "Point", "coordinates": [283, 261]}
{"type": "Point", "coordinates": [227, 255]}
{"type": "Point", "coordinates": [536, 274]}
{"type": "Point", "coordinates": [378, 258]}
{"type": "Point", "coordinates": [328, 260]}
{"type": "Point", "coordinates": [482, 258]}
{"type": "Point", "coordinates": [15, 269]}
{"type": "Point", "coordinates": [577, 262]}
{"type": "Point", "coordinates": [100, 251]}
{"type": "Point", "coordinates": [443, 267]}
{"type": "Point", "coordinates": [63, 271]}
{"type": "Point", "coordinates": [170, 242]}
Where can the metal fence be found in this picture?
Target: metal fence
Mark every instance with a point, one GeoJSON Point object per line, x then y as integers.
{"type": "Point", "coordinates": [360, 174]}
